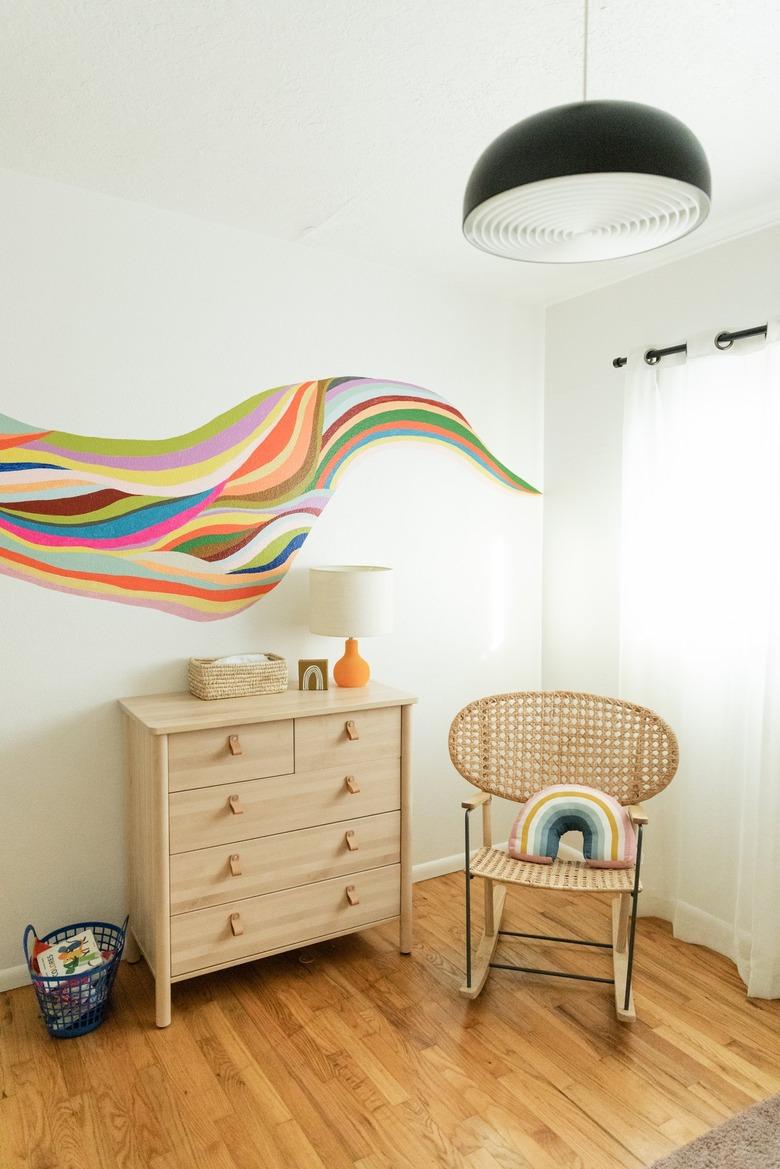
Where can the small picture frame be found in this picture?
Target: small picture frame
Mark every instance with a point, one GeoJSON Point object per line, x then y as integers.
{"type": "Point", "coordinates": [312, 673]}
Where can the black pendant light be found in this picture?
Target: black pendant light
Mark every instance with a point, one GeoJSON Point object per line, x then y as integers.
{"type": "Point", "coordinates": [592, 180]}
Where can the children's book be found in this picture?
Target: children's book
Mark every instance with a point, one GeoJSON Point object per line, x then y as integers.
{"type": "Point", "coordinates": [76, 955]}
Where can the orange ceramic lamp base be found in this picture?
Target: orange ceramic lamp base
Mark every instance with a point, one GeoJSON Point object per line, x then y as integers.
{"type": "Point", "coordinates": [351, 670]}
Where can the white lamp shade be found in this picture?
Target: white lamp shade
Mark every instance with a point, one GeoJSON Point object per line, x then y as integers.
{"type": "Point", "coordinates": [350, 600]}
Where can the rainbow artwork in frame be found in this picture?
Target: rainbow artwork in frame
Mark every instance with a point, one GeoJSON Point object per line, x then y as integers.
{"type": "Point", "coordinates": [205, 524]}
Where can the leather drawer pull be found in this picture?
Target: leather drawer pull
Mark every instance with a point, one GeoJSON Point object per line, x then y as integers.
{"type": "Point", "coordinates": [235, 805]}
{"type": "Point", "coordinates": [235, 924]}
{"type": "Point", "coordinates": [234, 743]}
{"type": "Point", "coordinates": [235, 865]}
{"type": "Point", "coordinates": [351, 784]}
{"type": "Point", "coordinates": [351, 840]}
{"type": "Point", "coordinates": [352, 731]}
{"type": "Point", "coordinates": [352, 896]}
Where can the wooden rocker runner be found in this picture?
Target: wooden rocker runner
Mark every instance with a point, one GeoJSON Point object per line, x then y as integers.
{"type": "Point", "coordinates": [514, 745]}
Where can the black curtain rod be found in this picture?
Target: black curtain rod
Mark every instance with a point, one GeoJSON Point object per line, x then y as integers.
{"type": "Point", "coordinates": [722, 341]}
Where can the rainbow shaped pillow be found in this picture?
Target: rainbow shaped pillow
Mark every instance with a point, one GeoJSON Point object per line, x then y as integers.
{"type": "Point", "coordinates": [609, 841]}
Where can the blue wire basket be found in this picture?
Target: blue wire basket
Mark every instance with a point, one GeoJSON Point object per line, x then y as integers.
{"type": "Point", "coordinates": [74, 1004]}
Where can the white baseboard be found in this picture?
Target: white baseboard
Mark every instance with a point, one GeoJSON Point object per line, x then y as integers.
{"type": "Point", "coordinates": [437, 868]}
{"type": "Point", "coordinates": [14, 976]}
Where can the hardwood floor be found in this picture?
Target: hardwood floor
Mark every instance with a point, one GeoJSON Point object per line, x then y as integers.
{"type": "Point", "coordinates": [359, 1058]}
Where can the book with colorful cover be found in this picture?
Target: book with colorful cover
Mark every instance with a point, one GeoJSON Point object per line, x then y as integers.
{"type": "Point", "coordinates": [76, 955]}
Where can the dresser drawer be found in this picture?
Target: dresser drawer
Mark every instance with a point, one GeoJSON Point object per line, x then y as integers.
{"type": "Point", "coordinates": [225, 754]}
{"type": "Point", "coordinates": [324, 740]}
{"type": "Point", "coordinates": [277, 921]}
{"type": "Point", "coordinates": [205, 817]}
{"type": "Point", "coordinates": [213, 876]}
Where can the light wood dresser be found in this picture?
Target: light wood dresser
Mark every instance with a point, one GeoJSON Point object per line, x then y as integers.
{"type": "Point", "coordinates": [256, 825]}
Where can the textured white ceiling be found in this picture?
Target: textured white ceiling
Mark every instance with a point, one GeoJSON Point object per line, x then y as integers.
{"type": "Point", "coordinates": [353, 124]}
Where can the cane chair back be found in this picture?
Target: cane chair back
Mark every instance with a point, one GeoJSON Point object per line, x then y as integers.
{"type": "Point", "coordinates": [513, 745]}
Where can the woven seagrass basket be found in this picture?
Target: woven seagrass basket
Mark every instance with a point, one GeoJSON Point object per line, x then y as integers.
{"type": "Point", "coordinates": [209, 678]}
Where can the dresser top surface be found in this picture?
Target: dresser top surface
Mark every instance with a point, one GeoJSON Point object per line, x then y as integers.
{"type": "Point", "coordinates": [168, 714]}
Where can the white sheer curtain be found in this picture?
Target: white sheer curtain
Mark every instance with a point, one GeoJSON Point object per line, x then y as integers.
{"type": "Point", "coordinates": [700, 638]}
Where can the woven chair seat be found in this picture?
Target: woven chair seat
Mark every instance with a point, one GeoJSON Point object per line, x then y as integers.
{"type": "Point", "coordinates": [572, 876]}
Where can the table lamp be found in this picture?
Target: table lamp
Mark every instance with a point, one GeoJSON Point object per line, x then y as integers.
{"type": "Point", "coordinates": [350, 601]}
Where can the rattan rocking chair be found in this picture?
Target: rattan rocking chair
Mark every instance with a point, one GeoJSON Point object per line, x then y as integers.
{"type": "Point", "coordinates": [513, 745]}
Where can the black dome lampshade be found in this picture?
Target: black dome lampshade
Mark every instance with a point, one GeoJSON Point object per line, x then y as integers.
{"type": "Point", "coordinates": [592, 180]}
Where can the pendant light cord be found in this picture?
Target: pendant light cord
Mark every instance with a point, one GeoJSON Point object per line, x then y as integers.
{"type": "Point", "coordinates": [585, 15]}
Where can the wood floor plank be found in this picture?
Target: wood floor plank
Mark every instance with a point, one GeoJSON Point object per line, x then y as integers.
{"type": "Point", "coordinates": [588, 1140]}
{"type": "Point", "coordinates": [482, 1159]}
{"type": "Point", "coordinates": [351, 1056]}
{"type": "Point", "coordinates": [13, 1137]}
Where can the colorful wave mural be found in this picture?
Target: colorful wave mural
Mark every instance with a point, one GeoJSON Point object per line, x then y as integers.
{"type": "Point", "coordinates": [204, 524]}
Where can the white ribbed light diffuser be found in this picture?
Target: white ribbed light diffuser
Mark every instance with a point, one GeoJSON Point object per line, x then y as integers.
{"type": "Point", "coordinates": [579, 218]}
{"type": "Point", "coordinates": [350, 600]}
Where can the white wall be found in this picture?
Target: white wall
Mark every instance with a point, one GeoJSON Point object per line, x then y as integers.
{"type": "Point", "coordinates": [123, 321]}
{"type": "Point", "coordinates": [731, 286]}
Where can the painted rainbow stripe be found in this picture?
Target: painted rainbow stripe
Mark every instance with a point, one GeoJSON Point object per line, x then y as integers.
{"type": "Point", "coordinates": [608, 835]}
{"type": "Point", "coordinates": [204, 524]}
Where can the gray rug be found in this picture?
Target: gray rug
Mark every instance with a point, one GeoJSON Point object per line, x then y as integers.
{"type": "Point", "coordinates": [750, 1140]}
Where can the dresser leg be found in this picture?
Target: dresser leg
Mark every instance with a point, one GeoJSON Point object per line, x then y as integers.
{"type": "Point", "coordinates": [132, 953]}
{"type": "Point", "coordinates": [405, 928]}
{"type": "Point", "coordinates": [162, 875]}
{"type": "Point", "coordinates": [162, 1003]}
